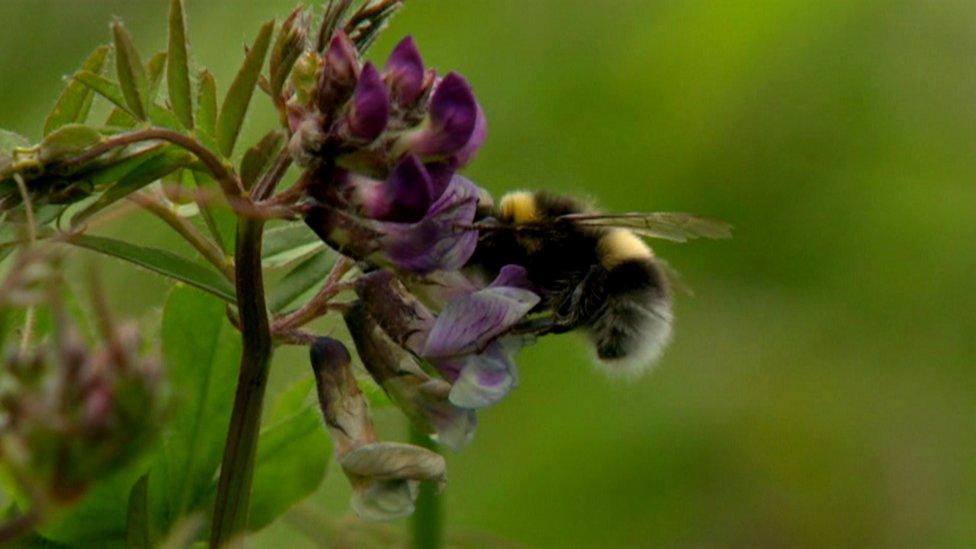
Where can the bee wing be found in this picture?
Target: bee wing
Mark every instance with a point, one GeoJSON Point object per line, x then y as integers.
{"type": "Point", "coordinates": [674, 226]}
{"type": "Point", "coordinates": [674, 278]}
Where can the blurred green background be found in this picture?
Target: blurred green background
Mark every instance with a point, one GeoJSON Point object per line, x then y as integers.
{"type": "Point", "coordinates": [820, 390]}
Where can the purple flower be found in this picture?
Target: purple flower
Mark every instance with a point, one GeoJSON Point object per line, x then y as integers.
{"type": "Point", "coordinates": [467, 342]}
{"type": "Point", "coordinates": [485, 378]}
{"type": "Point", "coordinates": [404, 73]}
{"type": "Point", "coordinates": [436, 242]}
{"type": "Point", "coordinates": [470, 149]}
{"type": "Point", "coordinates": [404, 197]}
{"type": "Point", "coordinates": [370, 107]}
{"type": "Point", "coordinates": [340, 72]}
{"type": "Point", "coordinates": [468, 324]}
{"type": "Point", "coordinates": [422, 398]}
{"type": "Point", "coordinates": [450, 123]}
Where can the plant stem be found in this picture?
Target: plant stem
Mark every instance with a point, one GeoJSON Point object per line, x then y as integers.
{"type": "Point", "coordinates": [230, 184]}
{"type": "Point", "coordinates": [237, 468]}
{"type": "Point", "coordinates": [427, 523]}
{"type": "Point", "coordinates": [208, 249]}
{"type": "Point", "coordinates": [320, 302]}
{"type": "Point", "coordinates": [31, 313]}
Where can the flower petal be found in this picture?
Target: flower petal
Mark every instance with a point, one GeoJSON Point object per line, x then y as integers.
{"type": "Point", "coordinates": [468, 324]}
{"type": "Point", "coordinates": [470, 149]}
{"type": "Point", "coordinates": [411, 189]}
{"type": "Point", "coordinates": [395, 461]}
{"type": "Point", "coordinates": [370, 106]}
{"type": "Point", "coordinates": [421, 398]}
{"type": "Point", "coordinates": [404, 71]}
{"type": "Point", "coordinates": [484, 378]}
{"type": "Point", "coordinates": [383, 501]}
{"type": "Point", "coordinates": [513, 276]}
{"type": "Point", "coordinates": [435, 242]}
{"type": "Point", "coordinates": [401, 316]}
{"type": "Point", "coordinates": [441, 174]}
{"type": "Point", "coordinates": [339, 73]}
{"type": "Point", "coordinates": [451, 121]}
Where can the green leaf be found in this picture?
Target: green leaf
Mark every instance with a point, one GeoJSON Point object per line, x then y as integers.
{"type": "Point", "coordinates": [137, 518]}
{"type": "Point", "coordinates": [258, 158]}
{"type": "Point", "coordinates": [99, 515]}
{"type": "Point", "coordinates": [307, 275]}
{"type": "Point", "coordinates": [201, 351]}
{"type": "Point", "coordinates": [232, 112]}
{"type": "Point", "coordinates": [292, 458]}
{"type": "Point", "coordinates": [73, 103]}
{"type": "Point", "coordinates": [162, 262]}
{"type": "Point", "coordinates": [120, 119]}
{"type": "Point", "coordinates": [207, 103]}
{"type": "Point", "coordinates": [292, 400]}
{"type": "Point", "coordinates": [67, 141]}
{"type": "Point", "coordinates": [131, 72]}
{"type": "Point", "coordinates": [152, 169]}
{"type": "Point", "coordinates": [286, 243]}
{"type": "Point", "coordinates": [112, 170]}
{"type": "Point", "coordinates": [110, 90]}
{"type": "Point", "coordinates": [287, 47]}
{"type": "Point", "coordinates": [178, 69]}
{"type": "Point", "coordinates": [154, 71]}
{"type": "Point", "coordinates": [104, 87]}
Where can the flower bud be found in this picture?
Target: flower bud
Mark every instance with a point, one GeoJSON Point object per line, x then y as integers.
{"type": "Point", "coordinates": [370, 107]}
{"type": "Point", "coordinates": [340, 71]}
{"type": "Point", "coordinates": [305, 76]}
{"type": "Point", "coordinates": [307, 139]}
{"type": "Point", "coordinates": [288, 47]}
{"type": "Point", "coordinates": [404, 73]}
{"type": "Point", "coordinates": [384, 475]}
{"type": "Point", "coordinates": [342, 404]}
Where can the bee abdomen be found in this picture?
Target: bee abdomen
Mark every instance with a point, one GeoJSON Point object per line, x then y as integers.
{"type": "Point", "coordinates": [634, 326]}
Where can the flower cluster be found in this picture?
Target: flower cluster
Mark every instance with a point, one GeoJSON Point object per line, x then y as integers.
{"type": "Point", "coordinates": [381, 149]}
{"type": "Point", "coordinates": [69, 414]}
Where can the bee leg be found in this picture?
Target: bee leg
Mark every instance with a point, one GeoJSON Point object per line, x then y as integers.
{"type": "Point", "coordinates": [541, 326]}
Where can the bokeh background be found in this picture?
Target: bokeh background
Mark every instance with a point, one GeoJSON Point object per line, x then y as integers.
{"type": "Point", "coordinates": [820, 390]}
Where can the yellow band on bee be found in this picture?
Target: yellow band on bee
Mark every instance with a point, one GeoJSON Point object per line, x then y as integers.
{"type": "Point", "coordinates": [518, 207]}
{"type": "Point", "coordinates": [620, 245]}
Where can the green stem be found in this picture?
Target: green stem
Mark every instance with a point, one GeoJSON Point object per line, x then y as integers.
{"type": "Point", "coordinates": [427, 523]}
{"type": "Point", "coordinates": [237, 468]}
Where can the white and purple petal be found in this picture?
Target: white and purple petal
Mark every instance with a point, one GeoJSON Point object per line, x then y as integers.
{"type": "Point", "coordinates": [437, 242]}
{"type": "Point", "coordinates": [484, 378]}
{"type": "Point", "coordinates": [470, 323]}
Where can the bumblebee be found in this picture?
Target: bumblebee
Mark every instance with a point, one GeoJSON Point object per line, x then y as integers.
{"type": "Point", "coordinates": [593, 270]}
